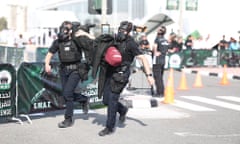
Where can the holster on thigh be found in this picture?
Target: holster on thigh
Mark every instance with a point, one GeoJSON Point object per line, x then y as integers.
{"type": "Point", "coordinates": [118, 82]}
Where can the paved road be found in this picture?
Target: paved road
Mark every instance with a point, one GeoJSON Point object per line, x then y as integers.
{"type": "Point", "coordinates": [206, 115]}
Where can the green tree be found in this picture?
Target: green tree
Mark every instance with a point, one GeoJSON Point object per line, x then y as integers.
{"type": "Point", "coordinates": [3, 23]}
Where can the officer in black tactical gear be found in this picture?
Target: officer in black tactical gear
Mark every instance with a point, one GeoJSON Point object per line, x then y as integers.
{"type": "Point", "coordinates": [116, 77]}
{"type": "Point", "coordinates": [160, 49]}
{"type": "Point", "coordinates": [72, 69]}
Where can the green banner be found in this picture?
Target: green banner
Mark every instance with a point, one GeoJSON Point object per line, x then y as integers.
{"type": "Point", "coordinates": [7, 90]}
{"type": "Point", "coordinates": [199, 57]}
{"type": "Point", "coordinates": [174, 60]}
{"type": "Point", "coordinates": [230, 57]}
{"type": "Point", "coordinates": [203, 58]}
{"type": "Point", "coordinates": [38, 91]}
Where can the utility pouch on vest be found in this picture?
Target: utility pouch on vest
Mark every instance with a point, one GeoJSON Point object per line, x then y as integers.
{"type": "Point", "coordinates": [118, 82]}
{"type": "Point", "coordinates": [83, 69]}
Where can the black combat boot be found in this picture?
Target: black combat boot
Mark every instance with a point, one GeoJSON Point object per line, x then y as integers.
{"type": "Point", "coordinates": [85, 106]}
{"type": "Point", "coordinates": [66, 123]}
{"type": "Point", "coordinates": [122, 116]}
{"type": "Point", "coordinates": [105, 131]}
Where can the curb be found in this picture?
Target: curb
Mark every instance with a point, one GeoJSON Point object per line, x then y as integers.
{"type": "Point", "coordinates": [230, 76]}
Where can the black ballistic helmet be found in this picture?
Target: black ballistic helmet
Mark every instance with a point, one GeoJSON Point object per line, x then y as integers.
{"type": "Point", "coordinates": [64, 26]}
{"type": "Point", "coordinates": [86, 27]}
{"type": "Point", "coordinates": [75, 26]}
{"type": "Point", "coordinates": [125, 25]}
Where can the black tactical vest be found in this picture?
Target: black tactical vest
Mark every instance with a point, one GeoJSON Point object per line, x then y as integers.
{"type": "Point", "coordinates": [68, 52]}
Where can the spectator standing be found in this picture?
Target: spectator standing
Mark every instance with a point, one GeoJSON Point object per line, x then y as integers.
{"type": "Point", "coordinates": [20, 42]}
{"type": "Point", "coordinates": [223, 44]}
{"type": "Point", "coordinates": [173, 44]}
{"type": "Point", "coordinates": [233, 45]}
{"type": "Point", "coordinates": [199, 43]}
{"type": "Point", "coordinates": [160, 49]}
{"type": "Point", "coordinates": [189, 42]}
{"type": "Point", "coordinates": [145, 48]}
{"type": "Point", "coordinates": [179, 43]}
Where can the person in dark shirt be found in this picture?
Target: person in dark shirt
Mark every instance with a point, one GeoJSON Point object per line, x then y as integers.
{"type": "Point", "coordinates": [223, 44]}
{"type": "Point", "coordinates": [160, 49]}
{"type": "Point", "coordinates": [189, 42]}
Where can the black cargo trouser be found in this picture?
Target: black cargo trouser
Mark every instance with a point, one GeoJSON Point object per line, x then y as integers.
{"type": "Point", "coordinates": [70, 79]}
{"type": "Point", "coordinates": [111, 99]}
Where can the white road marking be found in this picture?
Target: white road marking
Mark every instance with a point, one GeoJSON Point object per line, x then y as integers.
{"type": "Point", "coordinates": [80, 111]}
{"type": "Point", "coordinates": [190, 106]}
{"type": "Point", "coordinates": [213, 102]}
{"type": "Point", "coordinates": [230, 98]}
{"type": "Point", "coordinates": [161, 112]}
{"type": "Point", "coordinates": [141, 104]}
{"type": "Point", "coordinates": [185, 134]}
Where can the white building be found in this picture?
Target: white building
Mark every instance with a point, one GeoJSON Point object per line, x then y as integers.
{"type": "Point", "coordinates": [212, 17]}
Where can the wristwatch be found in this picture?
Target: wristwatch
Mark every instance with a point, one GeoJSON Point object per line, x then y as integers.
{"type": "Point", "coordinates": [149, 75]}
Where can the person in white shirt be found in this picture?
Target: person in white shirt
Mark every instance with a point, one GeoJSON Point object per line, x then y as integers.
{"type": "Point", "coordinates": [20, 42]}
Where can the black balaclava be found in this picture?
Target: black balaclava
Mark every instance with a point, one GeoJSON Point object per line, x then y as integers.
{"type": "Point", "coordinates": [124, 26]}
{"type": "Point", "coordinates": [64, 31]}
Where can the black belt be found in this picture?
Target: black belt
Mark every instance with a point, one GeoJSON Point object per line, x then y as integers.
{"type": "Point", "coordinates": [71, 66]}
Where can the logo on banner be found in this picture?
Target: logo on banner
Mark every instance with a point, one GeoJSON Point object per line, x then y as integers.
{"type": "Point", "coordinates": [5, 80]}
{"type": "Point", "coordinates": [214, 53]}
{"type": "Point", "coordinates": [175, 61]}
